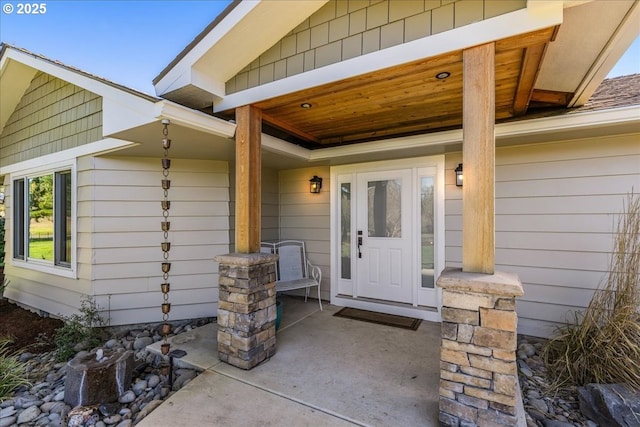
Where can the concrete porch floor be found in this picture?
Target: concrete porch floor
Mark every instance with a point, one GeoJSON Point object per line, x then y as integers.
{"type": "Point", "coordinates": [327, 371]}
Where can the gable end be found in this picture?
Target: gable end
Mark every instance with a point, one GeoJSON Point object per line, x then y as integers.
{"type": "Point", "coordinates": [52, 115]}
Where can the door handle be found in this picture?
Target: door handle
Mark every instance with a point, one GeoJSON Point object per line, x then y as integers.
{"type": "Point", "coordinates": [359, 243]}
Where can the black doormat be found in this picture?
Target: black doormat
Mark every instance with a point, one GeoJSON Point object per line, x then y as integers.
{"type": "Point", "coordinates": [379, 318]}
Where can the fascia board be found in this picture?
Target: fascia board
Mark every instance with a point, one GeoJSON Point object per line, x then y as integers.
{"type": "Point", "coordinates": [192, 119]}
{"type": "Point", "coordinates": [619, 42]}
{"type": "Point", "coordinates": [62, 72]}
{"type": "Point", "coordinates": [247, 31]}
{"type": "Point", "coordinates": [180, 74]}
{"type": "Point", "coordinates": [99, 147]}
{"type": "Point", "coordinates": [587, 120]}
{"type": "Point", "coordinates": [544, 15]}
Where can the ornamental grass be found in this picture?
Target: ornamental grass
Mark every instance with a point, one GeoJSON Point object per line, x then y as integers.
{"type": "Point", "coordinates": [602, 344]}
{"type": "Point", "coordinates": [12, 371]}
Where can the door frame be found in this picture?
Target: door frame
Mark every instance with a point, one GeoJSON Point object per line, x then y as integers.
{"type": "Point", "coordinates": [338, 174]}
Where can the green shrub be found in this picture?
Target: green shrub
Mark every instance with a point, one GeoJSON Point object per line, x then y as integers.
{"type": "Point", "coordinates": [12, 371]}
{"type": "Point", "coordinates": [602, 345]}
{"type": "Point", "coordinates": [79, 328]}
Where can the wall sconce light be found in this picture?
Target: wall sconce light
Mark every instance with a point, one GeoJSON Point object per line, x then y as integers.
{"type": "Point", "coordinates": [459, 175]}
{"type": "Point", "coordinates": [315, 184]}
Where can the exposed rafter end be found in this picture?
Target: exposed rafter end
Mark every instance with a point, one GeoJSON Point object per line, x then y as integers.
{"type": "Point", "coordinates": [548, 98]}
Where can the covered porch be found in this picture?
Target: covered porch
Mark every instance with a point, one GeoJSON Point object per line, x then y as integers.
{"type": "Point", "coordinates": [327, 371]}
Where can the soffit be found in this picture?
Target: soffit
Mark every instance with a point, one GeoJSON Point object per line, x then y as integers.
{"type": "Point", "coordinates": [402, 100]}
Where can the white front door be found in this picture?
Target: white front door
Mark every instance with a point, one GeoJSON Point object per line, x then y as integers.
{"type": "Point", "coordinates": [383, 235]}
{"type": "Point", "coordinates": [388, 236]}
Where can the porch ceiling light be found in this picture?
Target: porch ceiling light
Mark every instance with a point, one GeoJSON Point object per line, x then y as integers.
{"type": "Point", "coordinates": [459, 175]}
{"type": "Point", "coordinates": [443, 75]}
{"type": "Point", "coordinates": [315, 184]}
{"type": "Point", "coordinates": [305, 105]}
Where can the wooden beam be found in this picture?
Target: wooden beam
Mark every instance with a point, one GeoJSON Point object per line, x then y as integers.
{"type": "Point", "coordinates": [286, 127]}
{"type": "Point", "coordinates": [248, 172]}
{"type": "Point", "coordinates": [531, 60]}
{"type": "Point", "coordinates": [478, 158]}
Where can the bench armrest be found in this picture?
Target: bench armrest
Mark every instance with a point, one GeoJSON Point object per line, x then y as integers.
{"type": "Point", "coordinates": [314, 272]}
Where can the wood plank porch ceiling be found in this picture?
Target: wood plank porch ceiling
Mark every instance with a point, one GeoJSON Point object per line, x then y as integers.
{"type": "Point", "coordinates": [407, 99]}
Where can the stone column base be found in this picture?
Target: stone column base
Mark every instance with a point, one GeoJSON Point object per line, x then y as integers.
{"type": "Point", "coordinates": [478, 371]}
{"type": "Point", "coordinates": [246, 308]}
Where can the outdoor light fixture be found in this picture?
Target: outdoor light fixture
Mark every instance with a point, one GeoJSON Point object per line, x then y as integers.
{"type": "Point", "coordinates": [1, 198]}
{"type": "Point", "coordinates": [459, 175]}
{"type": "Point", "coordinates": [443, 75]}
{"type": "Point", "coordinates": [305, 105]}
{"type": "Point", "coordinates": [315, 184]}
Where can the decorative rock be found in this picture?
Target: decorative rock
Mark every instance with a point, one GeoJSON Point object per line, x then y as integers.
{"type": "Point", "coordinates": [139, 387]}
{"type": "Point", "coordinates": [49, 378]}
{"type": "Point", "coordinates": [153, 381]}
{"type": "Point", "coordinates": [113, 419]}
{"type": "Point", "coordinates": [556, 423]}
{"type": "Point", "coordinates": [111, 343]}
{"type": "Point", "coordinates": [610, 404]}
{"type": "Point", "coordinates": [524, 369]}
{"type": "Point", "coordinates": [29, 414]}
{"type": "Point", "coordinates": [142, 342]}
{"type": "Point", "coordinates": [108, 409]}
{"type": "Point", "coordinates": [184, 375]}
{"type": "Point", "coordinates": [127, 397]}
{"type": "Point", "coordinates": [90, 382]}
{"type": "Point", "coordinates": [7, 412]}
{"type": "Point", "coordinates": [8, 421]}
{"type": "Point", "coordinates": [25, 357]}
{"type": "Point", "coordinates": [539, 405]}
{"type": "Point", "coordinates": [147, 409]}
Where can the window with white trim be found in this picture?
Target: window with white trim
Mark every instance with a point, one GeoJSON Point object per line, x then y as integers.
{"type": "Point", "coordinates": [43, 218]}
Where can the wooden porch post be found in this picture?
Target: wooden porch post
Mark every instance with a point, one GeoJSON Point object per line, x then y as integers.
{"type": "Point", "coordinates": [248, 171]}
{"type": "Point", "coordinates": [478, 158]}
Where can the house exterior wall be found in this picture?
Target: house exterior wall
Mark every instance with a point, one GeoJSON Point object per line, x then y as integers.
{"type": "Point", "coordinates": [53, 115]}
{"type": "Point", "coordinates": [342, 30]}
{"type": "Point", "coordinates": [119, 217]}
{"type": "Point", "coordinates": [305, 216]}
{"type": "Point", "coordinates": [556, 210]}
{"type": "Point", "coordinates": [51, 294]}
{"type": "Point", "coordinates": [270, 205]}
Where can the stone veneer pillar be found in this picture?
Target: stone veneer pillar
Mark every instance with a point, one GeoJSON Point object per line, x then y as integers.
{"type": "Point", "coordinates": [478, 370]}
{"type": "Point", "coordinates": [246, 308]}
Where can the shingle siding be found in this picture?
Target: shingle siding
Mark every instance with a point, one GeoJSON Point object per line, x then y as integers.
{"type": "Point", "coordinates": [345, 29]}
{"type": "Point", "coordinates": [52, 116]}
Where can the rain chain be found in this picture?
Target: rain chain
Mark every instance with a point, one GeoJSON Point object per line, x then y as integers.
{"type": "Point", "coordinates": [165, 245]}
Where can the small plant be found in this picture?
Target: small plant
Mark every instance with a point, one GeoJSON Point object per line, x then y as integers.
{"type": "Point", "coordinates": [79, 328]}
{"type": "Point", "coordinates": [4, 282]}
{"type": "Point", "coordinates": [12, 371]}
{"type": "Point", "coordinates": [602, 345]}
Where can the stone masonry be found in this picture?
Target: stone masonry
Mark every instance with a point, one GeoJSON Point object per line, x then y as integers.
{"type": "Point", "coordinates": [246, 308]}
{"type": "Point", "coordinates": [478, 371]}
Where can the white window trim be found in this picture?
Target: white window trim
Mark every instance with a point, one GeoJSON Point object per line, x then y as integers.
{"type": "Point", "coordinates": [71, 271]}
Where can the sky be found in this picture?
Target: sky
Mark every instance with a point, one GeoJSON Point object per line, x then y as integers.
{"type": "Point", "coordinates": [131, 42]}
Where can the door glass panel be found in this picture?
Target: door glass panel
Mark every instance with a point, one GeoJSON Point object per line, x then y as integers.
{"type": "Point", "coordinates": [345, 230]}
{"type": "Point", "coordinates": [427, 231]}
{"type": "Point", "coordinates": [384, 208]}
{"type": "Point", "coordinates": [41, 217]}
